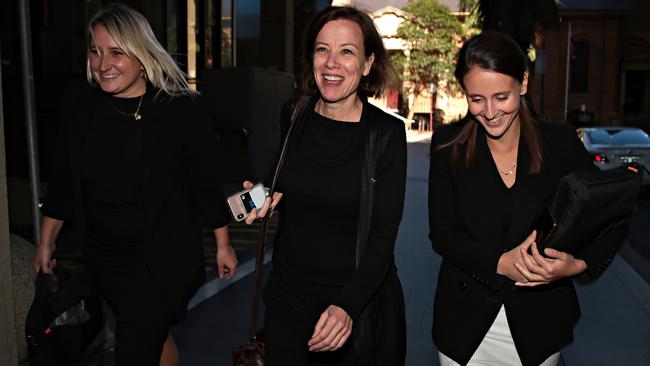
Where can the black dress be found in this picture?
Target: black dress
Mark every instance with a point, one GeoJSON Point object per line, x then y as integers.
{"type": "Point", "coordinates": [314, 250]}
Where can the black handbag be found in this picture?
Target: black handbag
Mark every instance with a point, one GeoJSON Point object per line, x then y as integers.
{"type": "Point", "coordinates": [64, 319]}
{"type": "Point", "coordinates": [586, 205]}
{"type": "Point", "coordinates": [252, 353]}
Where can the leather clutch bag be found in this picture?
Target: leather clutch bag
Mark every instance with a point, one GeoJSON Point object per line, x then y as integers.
{"type": "Point", "coordinates": [586, 205]}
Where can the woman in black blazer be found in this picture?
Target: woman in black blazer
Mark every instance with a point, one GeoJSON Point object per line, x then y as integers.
{"type": "Point", "coordinates": [135, 172]}
{"type": "Point", "coordinates": [499, 301]}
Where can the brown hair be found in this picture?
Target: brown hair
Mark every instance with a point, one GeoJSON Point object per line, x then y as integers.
{"type": "Point", "coordinates": [497, 52]}
{"type": "Point", "coordinates": [380, 72]}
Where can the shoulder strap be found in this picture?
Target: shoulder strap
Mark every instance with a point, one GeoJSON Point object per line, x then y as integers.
{"type": "Point", "coordinates": [261, 247]}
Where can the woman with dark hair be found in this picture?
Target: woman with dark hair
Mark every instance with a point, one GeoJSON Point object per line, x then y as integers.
{"type": "Point", "coordinates": [134, 171]}
{"type": "Point", "coordinates": [499, 301]}
{"type": "Point", "coordinates": [333, 296]}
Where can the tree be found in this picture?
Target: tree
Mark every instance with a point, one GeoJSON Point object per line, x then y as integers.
{"type": "Point", "coordinates": [432, 36]}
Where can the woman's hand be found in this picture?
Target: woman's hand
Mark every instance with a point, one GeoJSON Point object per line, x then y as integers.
{"type": "Point", "coordinates": [43, 261]}
{"type": "Point", "coordinates": [539, 270]}
{"type": "Point", "coordinates": [226, 255]}
{"type": "Point", "coordinates": [331, 331]}
{"type": "Point", "coordinates": [226, 262]}
{"type": "Point", "coordinates": [270, 203]}
{"type": "Point", "coordinates": [509, 259]}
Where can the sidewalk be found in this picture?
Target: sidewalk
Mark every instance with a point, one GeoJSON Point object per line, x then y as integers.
{"type": "Point", "coordinates": [614, 328]}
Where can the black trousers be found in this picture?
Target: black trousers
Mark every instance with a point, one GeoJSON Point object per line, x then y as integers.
{"type": "Point", "coordinates": [143, 317]}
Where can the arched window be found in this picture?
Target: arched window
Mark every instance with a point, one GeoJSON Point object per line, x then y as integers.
{"type": "Point", "coordinates": [579, 67]}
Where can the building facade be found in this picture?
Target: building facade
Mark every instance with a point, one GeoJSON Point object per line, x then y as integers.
{"type": "Point", "coordinates": [597, 59]}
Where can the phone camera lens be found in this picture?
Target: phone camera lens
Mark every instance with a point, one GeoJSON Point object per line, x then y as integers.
{"type": "Point", "coordinates": [240, 216]}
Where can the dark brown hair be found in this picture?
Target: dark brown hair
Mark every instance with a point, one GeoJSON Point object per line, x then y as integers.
{"type": "Point", "coordinates": [380, 73]}
{"type": "Point", "coordinates": [497, 52]}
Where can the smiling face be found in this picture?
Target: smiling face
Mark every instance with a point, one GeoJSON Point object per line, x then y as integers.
{"type": "Point", "coordinates": [114, 71]}
{"type": "Point", "coordinates": [339, 61]}
{"type": "Point", "coordinates": [494, 100]}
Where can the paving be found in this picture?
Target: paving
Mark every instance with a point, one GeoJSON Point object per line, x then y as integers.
{"type": "Point", "coordinates": [614, 328]}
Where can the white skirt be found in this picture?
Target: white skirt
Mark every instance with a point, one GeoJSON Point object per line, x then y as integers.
{"type": "Point", "coordinates": [497, 348]}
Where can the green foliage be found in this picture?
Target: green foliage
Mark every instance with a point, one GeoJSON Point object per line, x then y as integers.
{"type": "Point", "coordinates": [432, 36]}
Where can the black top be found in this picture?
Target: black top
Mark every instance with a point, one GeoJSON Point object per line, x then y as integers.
{"type": "Point", "coordinates": [112, 179]}
{"type": "Point", "coordinates": [181, 191]}
{"type": "Point", "coordinates": [319, 212]}
{"type": "Point", "coordinates": [321, 181]}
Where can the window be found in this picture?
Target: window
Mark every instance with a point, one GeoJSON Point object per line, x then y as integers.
{"type": "Point", "coordinates": [579, 67]}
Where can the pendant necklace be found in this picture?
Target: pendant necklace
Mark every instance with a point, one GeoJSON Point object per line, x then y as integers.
{"type": "Point", "coordinates": [136, 115]}
{"type": "Point", "coordinates": [508, 172]}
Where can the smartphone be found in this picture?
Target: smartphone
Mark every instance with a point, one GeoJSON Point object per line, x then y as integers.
{"type": "Point", "coordinates": [545, 226]}
{"type": "Point", "coordinates": [242, 203]}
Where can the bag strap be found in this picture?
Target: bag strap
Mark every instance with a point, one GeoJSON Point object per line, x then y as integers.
{"type": "Point", "coordinates": [261, 247]}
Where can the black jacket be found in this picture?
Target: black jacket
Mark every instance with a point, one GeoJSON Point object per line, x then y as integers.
{"type": "Point", "coordinates": [182, 191]}
{"type": "Point", "coordinates": [471, 238]}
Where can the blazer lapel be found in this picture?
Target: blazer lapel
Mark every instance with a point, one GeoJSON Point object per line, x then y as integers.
{"type": "Point", "coordinates": [526, 202]}
{"type": "Point", "coordinates": [481, 186]}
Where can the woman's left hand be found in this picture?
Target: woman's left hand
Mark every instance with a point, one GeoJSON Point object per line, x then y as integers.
{"type": "Point", "coordinates": [540, 270]}
{"type": "Point", "coordinates": [226, 261]}
{"type": "Point", "coordinates": [331, 331]}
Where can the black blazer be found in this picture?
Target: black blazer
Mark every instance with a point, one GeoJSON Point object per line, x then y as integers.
{"type": "Point", "coordinates": [181, 185]}
{"type": "Point", "coordinates": [469, 236]}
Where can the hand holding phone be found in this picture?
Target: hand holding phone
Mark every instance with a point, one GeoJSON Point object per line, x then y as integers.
{"type": "Point", "coordinates": [242, 203]}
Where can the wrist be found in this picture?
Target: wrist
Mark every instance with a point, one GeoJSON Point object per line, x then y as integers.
{"type": "Point", "coordinates": [46, 244]}
{"type": "Point", "coordinates": [223, 244]}
{"type": "Point", "coordinates": [501, 265]}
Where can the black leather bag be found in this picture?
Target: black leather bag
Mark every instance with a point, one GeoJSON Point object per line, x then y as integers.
{"type": "Point", "coordinates": [64, 319]}
{"type": "Point", "coordinates": [587, 204]}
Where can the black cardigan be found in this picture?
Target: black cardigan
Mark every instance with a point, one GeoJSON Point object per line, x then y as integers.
{"type": "Point", "coordinates": [389, 183]}
{"type": "Point", "coordinates": [181, 185]}
{"type": "Point", "coordinates": [470, 238]}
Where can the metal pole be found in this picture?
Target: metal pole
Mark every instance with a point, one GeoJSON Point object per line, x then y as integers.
{"type": "Point", "coordinates": [30, 113]}
{"type": "Point", "coordinates": [431, 114]}
{"type": "Point", "coordinates": [566, 81]}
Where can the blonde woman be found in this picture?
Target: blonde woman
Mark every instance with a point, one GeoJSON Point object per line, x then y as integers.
{"type": "Point", "coordinates": [134, 172]}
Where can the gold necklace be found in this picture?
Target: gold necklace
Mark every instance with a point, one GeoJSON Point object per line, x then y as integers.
{"type": "Point", "coordinates": [136, 115]}
{"type": "Point", "coordinates": [508, 172]}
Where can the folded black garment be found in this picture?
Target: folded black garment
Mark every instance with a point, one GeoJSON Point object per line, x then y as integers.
{"type": "Point", "coordinates": [586, 205]}
{"type": "Point", "coordinates": [63, 320]}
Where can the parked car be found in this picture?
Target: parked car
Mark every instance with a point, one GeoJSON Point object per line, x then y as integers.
{"type": "Point", "coordinates": [614, 146]}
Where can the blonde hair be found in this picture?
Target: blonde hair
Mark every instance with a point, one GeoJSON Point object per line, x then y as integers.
{"type": "Point", "coordinates": [132, 33]}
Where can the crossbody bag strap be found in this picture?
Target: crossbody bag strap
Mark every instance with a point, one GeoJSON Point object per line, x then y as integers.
{"type": "Point", "coordinates": [261, 247]}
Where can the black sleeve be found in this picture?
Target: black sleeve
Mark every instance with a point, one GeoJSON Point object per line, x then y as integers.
{"type": "Point", "coordinates": [58, 201]}
{"type": "Point", "coordinates": [200, 145]}
{"type": "Point", "coordinates": [448, 236]}
{"type": "Point", "coordinates": [387, 213]}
